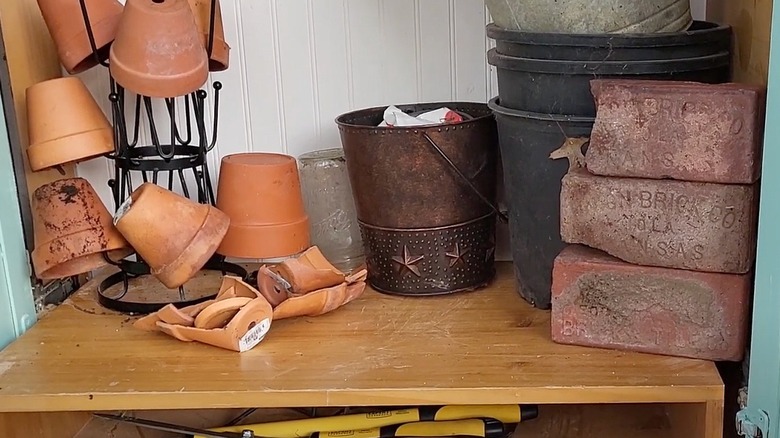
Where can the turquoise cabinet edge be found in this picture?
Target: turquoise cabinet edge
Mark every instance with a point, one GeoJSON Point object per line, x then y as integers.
{"type": "Point", "coordinates": [764, 374]}
{"type": "Point", "coordinates": [17, 308]}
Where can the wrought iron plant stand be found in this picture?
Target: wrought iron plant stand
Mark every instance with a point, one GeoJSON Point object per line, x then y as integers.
{"type": "Point", "coordinates": [183, 154]}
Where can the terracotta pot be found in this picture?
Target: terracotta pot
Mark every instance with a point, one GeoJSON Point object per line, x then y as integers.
{"type": "Point", "coordinates": [262, 195]}
{"type": "Point", "coordinates": [66, 26]}
{"type": "Point", "coordinates": [309, 272]}
{"type": "Point", "coordinates": [158, 50]}
{"type": "Point", "coordinates": [73, 230]}
{"type": "Point", "coordinates": [173, 234]}
{"type": "Point", "coordinates": [220, 51]}
{"type": "Point", "coordinates": [220, 313]}
{"type": "Point", "coordinates": [65, 124]}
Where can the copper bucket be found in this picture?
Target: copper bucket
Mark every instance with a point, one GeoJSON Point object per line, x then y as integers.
{"type": "Point", "coordinates": [425, 198]}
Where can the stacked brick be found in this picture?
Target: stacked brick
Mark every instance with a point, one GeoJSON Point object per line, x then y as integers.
{"type": "Point", "coordinates": [662, 221]}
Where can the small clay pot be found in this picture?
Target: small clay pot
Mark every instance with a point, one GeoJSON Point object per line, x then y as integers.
{"type": "Point", "coordinates": [65, 124]}
{"type": "Point", "coordinates": [73, 230]}
{"type": "Point", "coordinates": [173, 234]}
{"type": "Point", "coordinates": [261, 193]}
{"type": "Point", "coordinates": [220, 50]}
{"type": "Point", "coordinates": [158, 50]}
{"type": "Point", "coordinates": [65, 22]}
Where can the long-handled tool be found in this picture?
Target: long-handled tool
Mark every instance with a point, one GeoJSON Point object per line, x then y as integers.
{"type": "Point", "coordinates": [475, 428]}
{"type": "Point", "coordinates": [306, 427]}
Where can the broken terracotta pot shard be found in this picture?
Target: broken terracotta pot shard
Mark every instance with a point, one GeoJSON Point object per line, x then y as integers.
{"type": "Point", "coordinates": [247, 328]}
{"type": "Point", "coordinates": [358, 276]}
{"type": "Point", "coordinates": [269, 286]}
{"type": "Point", "coordinates": [309, 272]}
{"type": "Point", "coordinates": [72, 230]}
{"type": "Point", "coordinates": [231, 287]}
{"type": "Point", "coordinates": [173, 234]}
{"type": "Point", "coordinates": [171, 315]}
{"type": "Point", "coordinates": [220, 313]}
{"type": "Point", "coordinates": [319, 302]}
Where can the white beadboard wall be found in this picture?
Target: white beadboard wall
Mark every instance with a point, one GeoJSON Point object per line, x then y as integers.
{"type": "Point", "coordinates": [297, 64]}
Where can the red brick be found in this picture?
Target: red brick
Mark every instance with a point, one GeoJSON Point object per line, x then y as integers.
{"type": "Point", "coordinates": [673, 224]}
{"type": "Point", "coordinates": [680, 130]}
{"type": "Point", "coordinates": [600, 301]}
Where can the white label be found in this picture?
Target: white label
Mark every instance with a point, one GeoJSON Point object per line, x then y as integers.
{"type": "Point", "coordinates": [122, 210]}
{"type": "Point", "coordinates": [254, 336]}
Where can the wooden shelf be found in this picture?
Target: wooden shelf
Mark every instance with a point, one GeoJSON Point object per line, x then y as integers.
{"type": "Point", "coordinates": [483, 347]}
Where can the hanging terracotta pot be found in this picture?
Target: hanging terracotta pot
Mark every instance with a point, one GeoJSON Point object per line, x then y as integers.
{"type": "Point", "coordinates": [173, 234]}
{"type": "Point", "coordinates": [65, 124]}
{"type": "Point", "coordinates": [158, 50]}
{"type": "Point", "coordinates": [73, 230]}
{"type": "Point", "coordinates": [65, 22]}
{"type": "Point", "coordinates": [261, 193]}
{"type": "Point", "coordinates": [220, 51]}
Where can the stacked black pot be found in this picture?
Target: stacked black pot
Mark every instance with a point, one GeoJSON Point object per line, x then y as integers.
{"type": "Point", "coordinates": [544, 98]}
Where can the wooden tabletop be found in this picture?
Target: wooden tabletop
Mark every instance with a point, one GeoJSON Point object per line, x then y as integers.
{"type": "Point", "coordinates": [483, 347]}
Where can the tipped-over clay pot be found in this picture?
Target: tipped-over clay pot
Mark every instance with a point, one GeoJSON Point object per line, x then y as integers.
{"type": "Point", "coordinates": [320, 302]}
{"type": "Point", "coordinates": [65, 124]}
{"type": "Point", "coordinates": [245, 330]}
{"type": "Point", "coordinates": [174, 235]}
{"type": "Point", "coordinates": [262, 195]}
{"type": "Point", "coordinates": [232, 287]}
{"type": "Point", "coordinates": [220, 52]}
{"type": "Point", "coordinates": [158, 50]}
{"type": "Point", "coordinates": [65, 22]}
{"type": "Point", "coordinates": [73, 230]}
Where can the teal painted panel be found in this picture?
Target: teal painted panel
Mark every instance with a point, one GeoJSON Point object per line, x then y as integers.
{"type": "Point", "coordinates": [17, 310]}
{"type": "Point", "coordinates": [764, 385]}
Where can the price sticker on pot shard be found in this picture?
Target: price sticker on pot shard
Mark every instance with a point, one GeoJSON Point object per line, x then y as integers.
{"type": "Point", "coordinates": [254, 336]}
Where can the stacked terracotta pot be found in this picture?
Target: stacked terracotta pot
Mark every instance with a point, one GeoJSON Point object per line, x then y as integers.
{"type": "Point", "coordinates": [156, 48]}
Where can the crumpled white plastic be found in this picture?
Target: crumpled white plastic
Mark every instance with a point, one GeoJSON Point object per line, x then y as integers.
{"type": "Point", "coordinates": [394, 117]}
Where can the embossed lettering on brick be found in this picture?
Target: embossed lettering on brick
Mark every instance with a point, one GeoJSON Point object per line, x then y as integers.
{"type": "Point", "coordinates": [600, 301]}
{"type": "Point", "coordinates": [675, 224]}
{"type": "Point", "coordinates": [678, 130]}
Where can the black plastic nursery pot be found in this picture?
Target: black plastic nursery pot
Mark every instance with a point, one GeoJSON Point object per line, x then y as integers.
{"type": "Point", "coordinates": [701, 39]}
{"type": "Point", "coordinates": [563, 86]}
{"type": "Point", "coordinates": [532, 182]}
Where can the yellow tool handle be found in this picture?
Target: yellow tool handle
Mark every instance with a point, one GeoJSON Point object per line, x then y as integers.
{"type": "Point", "coordinates": [472, 428]}
{"type": "Point", "coordinates": [502, 413]}
{"type": "Point", "coordinates": [308, 426]}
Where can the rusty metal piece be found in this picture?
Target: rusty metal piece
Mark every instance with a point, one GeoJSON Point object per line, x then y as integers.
{"type": "Point", "coordinates": [421, 194]}
{"type": "Point", "coordinates": [681, 130]}
{"type": "Point", "coordinates": [673, 224]}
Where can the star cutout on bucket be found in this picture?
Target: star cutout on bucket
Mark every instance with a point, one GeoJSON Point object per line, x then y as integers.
{"type": "Point", "coordinates": [457, 255]}
{"type": "Point", "coordinates": [408, 261]}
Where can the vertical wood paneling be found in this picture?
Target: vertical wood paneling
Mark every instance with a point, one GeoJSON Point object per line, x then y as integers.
{"type": "Point", "coordinates": [435, 61]}
{"type": "Point", "coordinates": [399, 53]}
{"type": "Point", "coordinates": [298, 68]}
{"type": "Point", "coordinates": [469, 43]}
{"type": "Point", "coordinates": [331, 38]}
{"type": "Point", "coordinates": [366, 49]}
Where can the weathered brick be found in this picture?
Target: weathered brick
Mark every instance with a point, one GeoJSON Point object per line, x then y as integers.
{"type": "Point", "coordinates": [667, 223]}
{"type": "Point", "coordinates": [680, 130]}
{"type": "Point", "coordinates": [600, 301]}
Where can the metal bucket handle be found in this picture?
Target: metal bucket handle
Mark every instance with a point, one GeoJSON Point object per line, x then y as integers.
{"type": "Point", "coordinates": [436, 147]}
